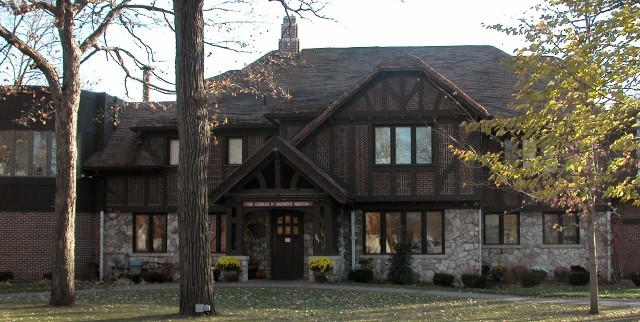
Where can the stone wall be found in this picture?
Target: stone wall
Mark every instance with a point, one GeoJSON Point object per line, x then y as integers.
{"type": "Point", "coordinates": [118, 251]}
{"type": "Point", "coordinates": [461, 254]}
{"type": "Point", "coordinates": [533, 252]}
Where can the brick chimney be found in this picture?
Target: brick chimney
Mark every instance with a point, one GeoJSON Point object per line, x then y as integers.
{"type": "Point", "coordinates": [289, 43]}
{"type": "Point", "coordinates": [146, 90]}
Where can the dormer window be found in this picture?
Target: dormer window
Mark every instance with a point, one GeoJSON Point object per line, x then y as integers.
{"type": "Point", "coordinates": [401, 145]}
{"type": "Point", "coordinates": [174, 149]}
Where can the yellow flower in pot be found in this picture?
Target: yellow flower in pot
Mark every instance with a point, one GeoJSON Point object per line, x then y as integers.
{"type": "Point", "coordinates": [230, 267]}
{"type": "Point", "coordinates": [320, 266]}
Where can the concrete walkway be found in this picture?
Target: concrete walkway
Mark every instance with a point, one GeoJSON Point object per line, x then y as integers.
{"type": "Point", "coordinates": [455, 293]}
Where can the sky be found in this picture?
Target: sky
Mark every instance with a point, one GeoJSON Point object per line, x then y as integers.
{"type": "Point", "coordinates": [354, 23]}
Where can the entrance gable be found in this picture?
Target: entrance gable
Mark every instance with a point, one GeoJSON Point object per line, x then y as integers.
{"type": "Point", "coordinates": [278, 165]}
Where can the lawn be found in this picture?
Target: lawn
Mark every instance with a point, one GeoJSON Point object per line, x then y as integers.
{"type": "Point", "coordinates": [298, 304]}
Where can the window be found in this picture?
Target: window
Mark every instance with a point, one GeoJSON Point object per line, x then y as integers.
{"type": "Point", "coordinates": [218, 233]}
{"type": "Point", "coordinates": [384, 230]}
{"type": "Point", "coordinates": [561, 229]}
{"type": "Point", "coordinates": [501, 229]}
{"type": "Point", "coordinates": [234, 151]}
{"type": "Point", "coordinates": [402, 145]}
{"type": "Point", "coordinates": [174, 151]}
{"type": "Point", "coordinates": [27, 153]}
{"type": "Point", "coordinates": [150, 233]}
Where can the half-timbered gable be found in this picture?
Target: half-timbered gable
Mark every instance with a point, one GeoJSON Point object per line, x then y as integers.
{"type": "Point", "coordinates": [358, 142]}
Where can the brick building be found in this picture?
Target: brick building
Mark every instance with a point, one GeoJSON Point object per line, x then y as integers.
{"type": "Point", "coordinates": [357, 157]}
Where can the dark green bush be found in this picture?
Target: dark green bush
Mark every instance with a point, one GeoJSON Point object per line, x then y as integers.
{"type": "Point", "coordinates": [134, 278]}
{"type": "Point", "coordinates": [5, 276]}
{"type": "Point", "coordinates": [154, 277]}
{"type": "Point", "coordinates": [361, 275]}
{"type": "Point", "coordinates": [577, 278]}
{"type": "Point", "coordinates": [635, 278]}
{"type": "Point", "coordinates": [532, 278]}
{"type": "Point", "coordinates": [443, 279]}
{"type": "Point", "coordinates": [474, 280]}
{"type": "Point", "coordinates": [400, 271]}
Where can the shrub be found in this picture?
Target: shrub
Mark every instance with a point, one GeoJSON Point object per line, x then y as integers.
{"type": "Point", "coordinates": [47, 276]}
{"type": "Point", "coordinates": [361, 275]}
{"type": "Point", "coordinates": [321, 264]}
{"type": "Point", "coordinates": [443, 279]}
{"type": "Point", "coordinates": [6, 276]}
{"type": "Point", "coordinates": [515, 272]}
{"type": "Point", "coordinates": [561, 273]}
{"type": "Point", "coordinates": [154, 277]}
{"type": "Point", "coordinates": [228, 263]}
{"type": "Point", "coordinates": [577, 278]}
{"type": "Point", "coordinates": [635, 278]}
{"type": "Point", "coordinates": [400, 271]}
{"type": "Point", "coordinates": [134, 278]}
{"type": "Point", "coordinates": [578, 268]}
{"type": "Point", "coordinates": [499, 273]}
{"type": "Point", "coordinates": [529, 279]}
{"type": "Point", "coordinates": [474, 280]}
{"type": "Point", "coordinates": [486, 269]}
{"type": "Point", "coordinates": [541, 272]}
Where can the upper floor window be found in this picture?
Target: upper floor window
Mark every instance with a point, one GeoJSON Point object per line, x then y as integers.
{"type": "Point", "coordinates": [235, 151]}
{"type": "Point", "coordinates": [424, 229]}
{"type": "Point", "coordinates": [150, 233]}
{"type": "Point", "coordinates": [501, 229]}
{"type": "Point", "coordinates": [27, 153]}
{"type": "Point", "coordinates": [561, 228]}
{"type": "Point", "coordinates": [402, 145]}
{"type": "Point", "coordinates": [174, 150]}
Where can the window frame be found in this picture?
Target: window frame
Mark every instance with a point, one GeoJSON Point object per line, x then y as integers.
{"type": "Point", "coordinates": [220, 221]}
{"type": "Point", "coordinates": [150, 232]}
{"type": "Point", "coordinates": [560, 221]}
{"type": "Point", "coordinates": [171, 151]}
{"type": "Point", "coordinates": [50, 165]}
{"type": "Point", "coordinates": [501, 228]}
{"type": "Point", "coordinates": [394, 142]}
{"type": "Point", "coordinates": [383, 240]}
{"type": "Point", "coordinates": [243, 150]}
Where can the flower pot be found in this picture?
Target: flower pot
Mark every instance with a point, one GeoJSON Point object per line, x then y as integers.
{"type": "Point", "coordinates": [320, 277]}
{"type": "Point", "coordinates": [230, 276]}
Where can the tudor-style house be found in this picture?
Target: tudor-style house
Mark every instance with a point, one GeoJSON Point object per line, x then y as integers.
{"type": "Point", "coordinates": [354, 160]}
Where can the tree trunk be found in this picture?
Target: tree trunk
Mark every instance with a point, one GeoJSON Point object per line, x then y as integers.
{"type": "Point", "coordinates": [593, 261]}
{"type": "Point", "coordinates": [196, 281]}
{"type": "Point", "coordinates": [66, 100]}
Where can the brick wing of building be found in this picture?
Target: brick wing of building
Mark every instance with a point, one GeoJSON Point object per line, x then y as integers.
{"type": "Point", "coordinates": [353, 161]}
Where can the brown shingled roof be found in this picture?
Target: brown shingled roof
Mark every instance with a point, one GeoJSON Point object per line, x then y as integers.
{"type": "Point", "coordinates": [323, 76]}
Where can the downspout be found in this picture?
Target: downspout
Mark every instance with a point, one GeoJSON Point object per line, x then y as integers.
{"type": "Point", "coordinates": [101, 245]}
{"type": "Point", "coordinates": [480, 239]}
{"type": "Point", "coordinates": [353, 239]}
{"type": "Point", "coordinates": [609, 249]}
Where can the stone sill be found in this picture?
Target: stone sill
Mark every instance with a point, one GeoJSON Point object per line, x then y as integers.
{"type": "Point", "coordinates": [420, 256]}
{"type": "Point", "coordinates": [150, 254]}
{"type": "Point", "coordinates": [544, 246]}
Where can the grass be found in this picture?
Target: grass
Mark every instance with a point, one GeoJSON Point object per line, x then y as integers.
{"type": "Point", "coordinates": [43, 286]}
{"type": "Point", "coordinates": [568, 291]}
{"type": "Point", "coordinates": [298, 304]}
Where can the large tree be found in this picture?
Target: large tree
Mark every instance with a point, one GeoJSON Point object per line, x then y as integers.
{"type": "Point", "coordinates": [79, 31]}
{"type": "Point", "coordinates": [195, 100]}
{"type": "Point", "coordinates": [573, 143]}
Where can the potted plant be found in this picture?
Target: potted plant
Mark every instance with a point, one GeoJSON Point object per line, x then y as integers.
{"type": "Point", "coordinates": [320, 266]}
{"type": "Point", "coordinates": [230, 267]}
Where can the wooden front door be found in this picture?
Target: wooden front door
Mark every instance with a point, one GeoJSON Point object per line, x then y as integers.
{"type": "Point", "coordinates": [287, 261]}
